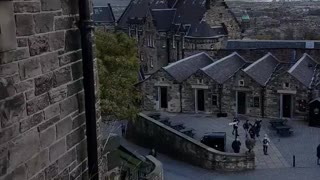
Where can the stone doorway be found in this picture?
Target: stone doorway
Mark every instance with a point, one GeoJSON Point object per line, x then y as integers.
{"type": "Point", "coordinates": [163, 97]}
{"type": "Point", "coordinates": [286, 105]}
{"type": "Point", "coordinates": [200, 100]}
{"type": "Point", "coordinates": [241, 102]}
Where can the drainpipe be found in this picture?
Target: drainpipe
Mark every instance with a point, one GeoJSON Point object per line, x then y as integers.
{"type": "Point", "coordinates": [86, 27]}
{"type": "Point", "coordinates": [180, 90]}
{"type": "Point", "coordinates": [220, 97]}
{"type": "Point", "coordinates": [263, 90]}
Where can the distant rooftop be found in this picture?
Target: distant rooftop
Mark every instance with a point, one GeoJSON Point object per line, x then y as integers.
{"type": "Point", "coordinates": [272, 44]}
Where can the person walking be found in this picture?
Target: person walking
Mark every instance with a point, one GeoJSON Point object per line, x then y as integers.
{"type": "Point", "coordinates": [236, 145]}
{"type": "Point", "coordinates": [257, 125]}
{"type": "Point", "coordinates": [265, 142]}
{"type": "Point", "coordinates": [235, 130]}
{"type": "Point", "coordinates": [246, 127]}
{"type": "Point", "coordinates": [252, 132]}
{"type": "Point", "coordinates": [318, 154]}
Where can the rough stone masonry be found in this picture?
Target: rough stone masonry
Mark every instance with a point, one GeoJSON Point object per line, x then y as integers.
{"type": "Point", "coordinates": [42, 120]}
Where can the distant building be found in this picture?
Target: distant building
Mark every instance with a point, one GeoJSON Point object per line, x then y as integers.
{"type": "Point", "coordinates": [267, 87]}
{"type": "Point", "coordinates": [167, 30]}
{"type": "Point", "coordinates": [103, 17]}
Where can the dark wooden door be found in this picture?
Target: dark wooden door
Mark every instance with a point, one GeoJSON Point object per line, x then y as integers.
{"type": "Point", "coordinates": [286, 106]}
{"type": "Point", "coordinates": [241, 103]}
{"type": "Point", "coordinates": [164, 97]}
{"type": "Point", "coordinates": [200, 100]}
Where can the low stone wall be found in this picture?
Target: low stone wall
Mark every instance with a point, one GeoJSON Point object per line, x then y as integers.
{"type": "Point", "coordinates": [149, 133]}
{"type": "Point", "coordinates": [157, 172]}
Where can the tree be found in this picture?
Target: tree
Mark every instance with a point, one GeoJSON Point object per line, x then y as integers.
{"type": "Point", "coordinates": [118, 68]}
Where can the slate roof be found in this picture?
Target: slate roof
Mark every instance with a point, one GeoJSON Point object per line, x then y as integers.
{"type": "Point", "coordinates": [103, 15]}
{"type": "Point", "coordinates": [225, 68]}
{"type": "Point", "coordinates": [272, 44]}
{"type": "Point", "coordinates": [184, 12]}
{"type": "Point", "coordinates": [303, 70]}
{"type": "Point", "coordinates": [118, 6]}
{"type": "Point", "coordinates": [163, 18]}
{"type": "Point", "coordinates": [262, 69]}
{"type": "Point", "coordinates": [139, 9]}
{"type": "Point", "coordinates": [280, 70]}
{"type": "Point", "coordinates": [184, 68]}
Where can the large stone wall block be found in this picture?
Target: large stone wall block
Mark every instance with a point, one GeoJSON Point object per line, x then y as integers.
{"type": "Point", "coordinates": [15, 55]}
{"type": "Point", "coordinates": [37, 104]}
{"type": "Point", "coordinates": [43, 22]}
{"type": "Point", "coordinates": [62, 76]}
{"type": "Point", "coordinates": [22, 42]}
{"type": "Point", "coordinates": [77, 71]}
{"type": "Point", "coordinates": [70, 7]}
{"type": "Point", "coordinates": [64, 127]}
{"type": "Point", "coordinates": [8, 69]}
{"type": "Point", "coordinates": [79, 121]}
{"type": "Point", "coordinates": [68, 106]}
{"type": "Point", "coordinates": [50, 5]}
{"type": "Point", "coordinates": [9, 133]}
{"type": "Point", "coordinates": [47, 137]}
{"type": "Point", "coordinates": [57, 149]}
{"type": "Point", "coordinates": [29, 68]}
{"type": "Point", "coordinates": [12, 110]}
{"type": "Point", "coordinates": [56, 40]}
{"type": "Point", "coordinates": [75, 87]}
{"type": "Point", "coordinates": [52, 111]}
{"type": "Point", "coordinates": [43, 83]}
{"type": "Point", "coordinates": [75, 137]}
{"type": "Point", "coordinates": [39, 44]}
{"type": "Point", "coordinates": [45, 125]}
{"type": "Point", "coordinates": [49, 62]}
{"type": "Point", "coordinates": [23, 7]}
{"type": "Point", "coordinates": [81, 102]}
{"type": "Point", "coordinates": [73, 40]}
{"type": "Point", "coordinates": [58, 94]}
{"type": "Point", "coordinates": [6, 89]}
{"type": "Point", "coordinates": [70, 57]}
{"type": "Point", "coordinates": [24, 147]}
{"type": "Point", "coordinates": [81, 151]}
{"type": "Point", "coordinates": [25, 25]}
{"type": "Point", "coordinates": [67, 159]}
{"type": "Point", "coordinates": [37, 163]}
{"type": "Point", "coordinates": [62, 23]}
{"type": "Point", "coordinates": [52, 170]}
{"type": "Point", "coordinates": [24, 86]}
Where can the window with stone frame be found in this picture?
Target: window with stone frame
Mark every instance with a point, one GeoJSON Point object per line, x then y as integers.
{"type": "Point", "coordinates": [200, 81]}
{"type": "Point", "coordinates": [151, 61]}
{"type": "Point", "coordinates": [173, 42]}
{"type": "Point", "coordinates": [214, 100]}
{"type": "Point", "coordinates": [241, 82]}
{"type": "Point", "coordinates": [256, 101]}
{"type": "Point", "coordinates": [286, 85]}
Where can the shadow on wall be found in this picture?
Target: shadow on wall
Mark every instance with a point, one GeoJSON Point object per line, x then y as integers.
{"type": "Point", "coordinates": [150, 133]}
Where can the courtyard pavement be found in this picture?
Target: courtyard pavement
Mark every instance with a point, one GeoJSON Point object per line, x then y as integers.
{"type": "Point", "coordinates": [276, 165]}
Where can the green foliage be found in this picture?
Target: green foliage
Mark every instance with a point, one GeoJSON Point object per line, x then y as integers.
{"type": "Point", "coordinates": [118, 68]}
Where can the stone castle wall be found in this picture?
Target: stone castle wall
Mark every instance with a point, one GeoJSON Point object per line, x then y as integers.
{"type": "Point", "coordinates": [42, 132]}
{"type": "Point", "coordinates": [150, 133]}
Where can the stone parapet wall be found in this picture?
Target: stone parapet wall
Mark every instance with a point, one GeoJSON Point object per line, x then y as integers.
{"type": "Point", "coordinates": [157, 172]}
{"type": "Point", "coordinates": [42, 119]}
{"type": "Point", "coordinates": [149, 133]}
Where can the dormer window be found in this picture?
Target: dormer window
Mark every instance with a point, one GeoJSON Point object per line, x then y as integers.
{"type": "Point", "coordinates": [162, 79]}
{"type": "Point", "coordinates": [241, 83]}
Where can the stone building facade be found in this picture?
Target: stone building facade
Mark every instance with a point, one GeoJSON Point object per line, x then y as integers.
{"type": "Point", "coordinates": [42, 129]}
{"type": "Point", "coordinates": [166, 30]}
{"type": "Point", "coordinates": [267, 87]}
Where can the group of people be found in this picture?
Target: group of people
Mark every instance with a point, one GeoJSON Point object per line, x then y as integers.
{"type": "Point", "coordinates": [253, 130]}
